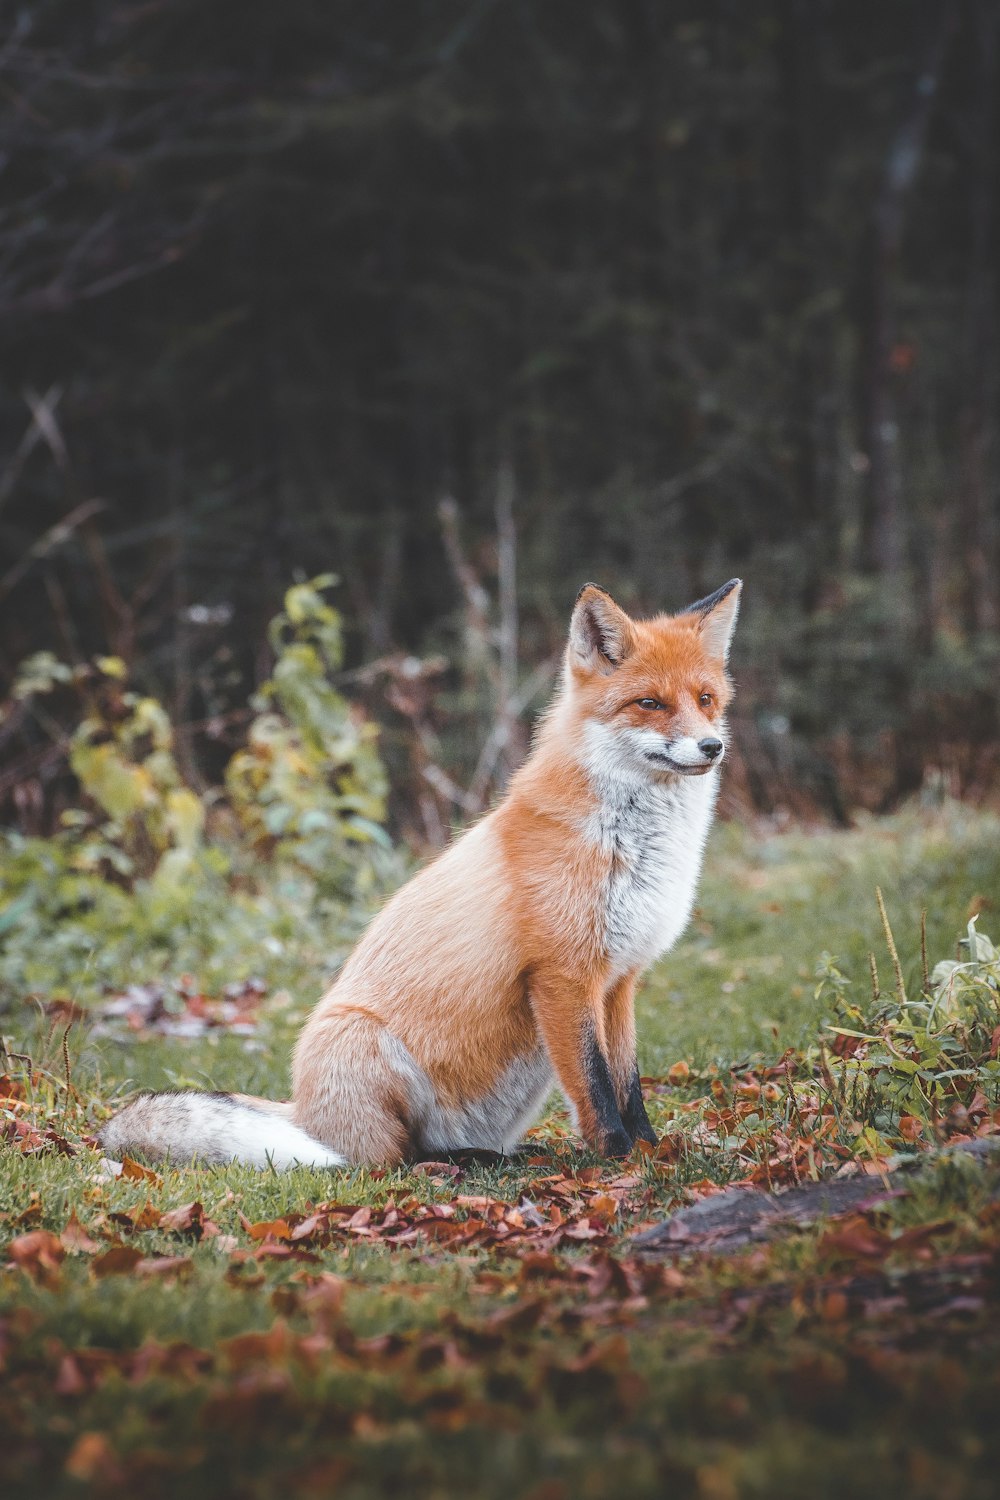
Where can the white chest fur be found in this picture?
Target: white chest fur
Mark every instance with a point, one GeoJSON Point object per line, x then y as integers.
{"type": "Point", "coordinates": [655, 837]}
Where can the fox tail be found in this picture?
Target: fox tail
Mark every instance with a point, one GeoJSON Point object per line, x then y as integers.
{"type": "Point", "coordinates": [214, 1128]}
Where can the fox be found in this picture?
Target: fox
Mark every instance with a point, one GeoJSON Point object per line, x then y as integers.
{"type": "Point", "coordinates": [509, 963]}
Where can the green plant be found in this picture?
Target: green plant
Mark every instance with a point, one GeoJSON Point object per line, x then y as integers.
{"type": "Point", "coordinates": [308, 786]}
{"type": "Point", "coordinates": [148, 876]}
{"type": "Point", "coordinates": [931, 1057]}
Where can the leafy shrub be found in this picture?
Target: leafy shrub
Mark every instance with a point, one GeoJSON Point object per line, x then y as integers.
{"type": "Point", "coordinates": [932, 1057]}
{"type": "Point", "coordinates": [150, 876]}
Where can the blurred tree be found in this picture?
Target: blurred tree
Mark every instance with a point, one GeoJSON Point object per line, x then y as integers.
{"type": "Point", "coordinates": [700, 288]}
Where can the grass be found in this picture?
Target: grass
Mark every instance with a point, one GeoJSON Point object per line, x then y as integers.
{"type": "Point", "coordinates": [743, 977]}
{"type": "Point", "coordinates": [237, 1363]}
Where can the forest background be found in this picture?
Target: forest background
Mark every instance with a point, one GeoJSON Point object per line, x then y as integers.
{"type": "Point", "coordinates": [339, 345]}
{"type": "Point", "coordinates": [469, 303]}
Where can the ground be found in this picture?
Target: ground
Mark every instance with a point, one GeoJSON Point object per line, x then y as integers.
{"type": "Point", "coordinates": [497, 1332]}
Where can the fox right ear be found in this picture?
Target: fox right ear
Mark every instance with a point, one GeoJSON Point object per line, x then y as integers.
{"type": "Point", "coordinates": [716, 616]}
{"type": "Point", "coordinates": [600, 633]}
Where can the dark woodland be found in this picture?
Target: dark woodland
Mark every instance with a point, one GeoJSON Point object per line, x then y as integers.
{"type": "Point", "coordinates": [340, 344]}
{"type": "Point", "coordinates": [470, 302]}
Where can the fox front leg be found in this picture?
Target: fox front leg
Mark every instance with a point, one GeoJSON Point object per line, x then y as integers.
{"type": "Point", "coordinates": [619, 1031]}
{"type": "Point", "coordinates": [612, 1135]}
{"type": "Point", "coordinates": [572, 1034]}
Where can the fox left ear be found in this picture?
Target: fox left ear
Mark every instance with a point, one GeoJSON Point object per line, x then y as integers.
{"type": "Point", "coordinates": [717, 617]}
{"type": "Point", "coordinates": [600, 632]}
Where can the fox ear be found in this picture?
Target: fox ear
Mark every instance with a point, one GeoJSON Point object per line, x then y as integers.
{"type": "Point", "coordinates": [600, 634]}
{"type": "Point", "coordinates": [717, 617]}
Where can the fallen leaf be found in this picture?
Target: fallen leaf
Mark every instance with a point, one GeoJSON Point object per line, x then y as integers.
{"type": "Point", "coordinates": [188, 1219]}
{"type": "Point", "coordinates": [75, 1237]}
{"type": "Point", "coordinates": [855, 1239]}
{"type": "Point", "coordinates": [118, 1261]}
{"type": "Point", "coordinates": [135, 1171]}
{"type": "Point", "coordinates": [161, 1266]}
{"type": "Point", "coordinates": [267, 1229]}
{"type": "Point", "coordinates": [69, 1379]}
{"type": "Point", "coordinates": [93, 1458]}
{"type": "Point", "coordinates": [39, 1253]}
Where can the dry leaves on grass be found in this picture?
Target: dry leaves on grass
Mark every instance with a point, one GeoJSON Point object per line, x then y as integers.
{"type": "Point", "coordinates": [179, 1008]}
{"type": "Point", "coordinates": [556, 1210]}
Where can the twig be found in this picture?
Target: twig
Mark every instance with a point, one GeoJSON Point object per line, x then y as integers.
{"type": "Point", "coordinates": [445, 787]}
{"type": "Point", "coordinates": [42, 419]}
{"type": "Point", "coordinates": [477, 600]}
{"type": "Point", "coordinates": [891, 943]}
{"type": "Point", "coordinates": [499, 736]}
{"type": "Point", "coordinates": [49, 541]}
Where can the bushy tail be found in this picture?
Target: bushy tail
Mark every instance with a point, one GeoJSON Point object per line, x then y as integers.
{"type": "Point", "coordinates": [213, 1128]}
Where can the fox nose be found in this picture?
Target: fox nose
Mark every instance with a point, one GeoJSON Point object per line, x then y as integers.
{"type": "Point", "coordinates": [712, 749]}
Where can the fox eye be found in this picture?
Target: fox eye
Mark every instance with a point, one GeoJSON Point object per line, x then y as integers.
{"type": "Point", "coordinates": [649, 703]}
{"type": "Point", "coordinates": [706, 700]}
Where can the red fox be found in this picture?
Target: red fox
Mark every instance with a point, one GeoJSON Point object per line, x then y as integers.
{"type": "Point", "coordinates": [510, 962]}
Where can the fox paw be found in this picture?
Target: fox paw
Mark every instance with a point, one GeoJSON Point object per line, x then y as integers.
{"type": "Point", "coordinates": [615, 1143]}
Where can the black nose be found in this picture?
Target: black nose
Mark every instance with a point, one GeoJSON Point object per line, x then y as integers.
{"type": "Point", "coordinates": [711, 748]}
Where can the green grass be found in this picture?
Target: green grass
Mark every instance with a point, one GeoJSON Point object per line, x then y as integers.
{"type": "Point", "coordinates": [742, 979]}
{"type": "Point", "coordinates": [425, 1371]}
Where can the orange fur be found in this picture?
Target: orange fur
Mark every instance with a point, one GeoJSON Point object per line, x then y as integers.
{"type": "Point", "coordinates": [512, 959]}
{"type": "Point", "coordinates": [497, 945]}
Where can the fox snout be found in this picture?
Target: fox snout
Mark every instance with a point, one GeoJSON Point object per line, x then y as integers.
{"type": "Point", "coordinates": [689, 755]}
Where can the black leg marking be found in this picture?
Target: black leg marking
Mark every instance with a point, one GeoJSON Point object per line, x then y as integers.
{"type": "Point", "coordinates": [634, 1116]}
{"type": "Point", "coordinates": [613, 1138]}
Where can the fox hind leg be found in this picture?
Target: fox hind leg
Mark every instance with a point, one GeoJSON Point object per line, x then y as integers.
{"type": "Point", "coordinates": [347, 1087]}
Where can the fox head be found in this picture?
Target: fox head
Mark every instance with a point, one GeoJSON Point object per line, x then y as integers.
{"type": "Point", "coordinates": [651, 695]}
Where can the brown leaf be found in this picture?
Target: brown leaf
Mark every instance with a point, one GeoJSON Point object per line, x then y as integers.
{"type": "Point", "coordinates": [93, 1458]}
{"type": "Point", "coordinates": [316, 1224]}
{"type": "Point", "coordinates": [603, 1208]}
{"type": "Point", "coordinates": [75, 1237]}
{"type": "Point", "coordinates": [670, 1148]}
{"type": "Point", "coordinates": [267, 1229]}
{"type": "Point", "coordinates": [855, 1239]}
{"type": "Point", "coordinates": [834, 1306]}
{"type": "Point", "coordinates": [146, 1217]}
{"type": "Point", "coordinates": [279, 1250]}
{"type": "Point", "coordinates": [120, 1260]}
{"type": "Point", "coordinates": [69, 1379]}
{"type": "Point", "coordinates": [28, 1214]}
{"type": "Point", "coordinates": [267, 1348]}
{"type": "Point", "coordinates": [135, 1171]}
{"type": "Point", "coordinates": [38, 1252]}
{"type": "Point", "coordinates": [161, 1266]}
{"type": "Point", "coordinates": [582, 1230]}
{"type": "Point", "coordinates": [920, 1234]}
{"type": "Point", "coordinates": [188, 1219]}
{"type": "Point", "coordinates": [539, 1264]}
{"type": "Point", "coordinates": [324, 1299]}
